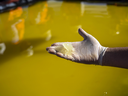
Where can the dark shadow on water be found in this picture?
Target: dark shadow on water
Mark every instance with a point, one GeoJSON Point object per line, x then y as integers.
{"type": "Point", "coordinates": [14, 50]}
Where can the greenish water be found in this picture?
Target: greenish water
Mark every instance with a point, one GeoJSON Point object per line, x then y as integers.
{"type": "Point", "coordinates": [26, 69]}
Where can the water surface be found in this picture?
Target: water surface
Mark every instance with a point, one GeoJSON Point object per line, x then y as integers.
{"type": "Point", "coordinates": [26, 69]}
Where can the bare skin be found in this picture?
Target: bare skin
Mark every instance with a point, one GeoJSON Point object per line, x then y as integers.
{"type": "Point", "coordinates": [89, 51]}
{"type": "Point", "coordinates": [116, 57]}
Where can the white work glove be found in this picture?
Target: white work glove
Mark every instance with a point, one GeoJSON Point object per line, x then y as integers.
{"type": "Point", "coordinates": [88, 51]}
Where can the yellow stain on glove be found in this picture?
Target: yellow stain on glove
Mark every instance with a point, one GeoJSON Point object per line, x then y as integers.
{"type": "Point", "coordinates": [66, 49]}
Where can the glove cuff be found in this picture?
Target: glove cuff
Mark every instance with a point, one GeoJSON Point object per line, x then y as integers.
{"type": "Point", "coordinates": [101, 55]}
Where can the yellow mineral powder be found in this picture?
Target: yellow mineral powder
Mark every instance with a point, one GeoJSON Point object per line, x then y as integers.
{"type": "Point", "coordinates": [66, 48]}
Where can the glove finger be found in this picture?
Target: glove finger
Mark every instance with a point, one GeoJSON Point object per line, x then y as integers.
{"type": "Point", "coordinates": [57, 44]}
{"type": "Point", "coordinates": [83, 33]}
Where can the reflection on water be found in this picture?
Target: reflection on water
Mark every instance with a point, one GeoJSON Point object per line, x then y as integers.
{"type": "Point", "coordinates": [18, 27]}
{"type": "Point", "coordinates": [105, 93]}
{"type": "Point", "coordinates": [2, 48]}
{"type": "Point", "coordinates": [30, 51]}
{"type": "Point", "coordinates": [27, 69]}
{"type": "Point", "coordinates": [94, 9]}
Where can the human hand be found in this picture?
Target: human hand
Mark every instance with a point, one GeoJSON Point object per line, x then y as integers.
{"type": "Point", "coordinates": [88, 51]}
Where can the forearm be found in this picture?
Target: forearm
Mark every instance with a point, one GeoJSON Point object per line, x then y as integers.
{"type": "Point", "coordinates": [117, 57]}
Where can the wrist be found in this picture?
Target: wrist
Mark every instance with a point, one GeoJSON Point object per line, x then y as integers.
{"type": "Point", "coordinates": [101, 54]}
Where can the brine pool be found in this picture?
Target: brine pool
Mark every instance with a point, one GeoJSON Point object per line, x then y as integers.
{"type": "Point", "coordinates": [27, 69]}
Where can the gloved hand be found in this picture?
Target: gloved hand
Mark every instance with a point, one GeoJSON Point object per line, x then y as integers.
{"type": "Point", "coordinates": [88, 51]}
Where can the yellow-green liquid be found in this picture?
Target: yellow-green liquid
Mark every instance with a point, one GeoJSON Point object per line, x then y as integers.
{"type": "Point", "coordinates": [26, 69]}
